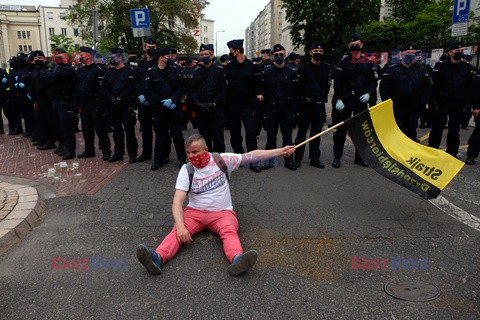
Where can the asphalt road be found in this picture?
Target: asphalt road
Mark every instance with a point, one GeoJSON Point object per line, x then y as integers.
{"type": "Point", "coordinates": [306, 225]}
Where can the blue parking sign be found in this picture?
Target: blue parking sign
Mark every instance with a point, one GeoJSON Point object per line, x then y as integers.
{"type": "Point", "coordinates": [461, 9]}
{"type": "Point", "coordinates": [140, 18]}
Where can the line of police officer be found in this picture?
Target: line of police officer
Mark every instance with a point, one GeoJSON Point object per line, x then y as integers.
{"type": "Point", "coordinates": [272, 95]}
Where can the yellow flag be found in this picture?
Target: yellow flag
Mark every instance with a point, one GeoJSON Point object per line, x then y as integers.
{"type": "Point", "coordinates": [424, 170]}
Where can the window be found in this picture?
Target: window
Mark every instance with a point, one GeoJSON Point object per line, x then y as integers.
{"type": "Point", "coordinates": [51, 31]}
{"type": "Point", "coordinates": [29, 48]}
{"type": "Point", "coordinates": [75, 32]}
{"type": "Point", "coordinates": [64, 31]}
{"type": "Point", "coordinates": [50, 15]}
{"type": "Point", "coordinates": [28, 34]}
{"type": "Point", "coordinates": [62, 15]}
{"type": "Point", "coordinates": [19, 34]}
{"type": "Point", "coordinates": [25, 48]}
{"type": "Point", "coordinates": [19, 48]}
{"type": "Point", "coordinates": [205, 28]}
{"type": "Point", "coordinates": [205, 40]}
{"type": "Point", "coordinates": [24, 35]}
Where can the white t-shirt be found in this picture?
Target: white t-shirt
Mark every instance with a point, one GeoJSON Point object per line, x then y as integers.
{"type": "Point", "coordinates": [210, 188]}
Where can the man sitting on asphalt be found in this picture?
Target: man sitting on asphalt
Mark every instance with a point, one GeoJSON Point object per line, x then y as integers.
{"type": "Point", "coordinates": [209, 207]}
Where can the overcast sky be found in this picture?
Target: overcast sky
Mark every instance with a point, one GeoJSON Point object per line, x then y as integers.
{"type": "Point", "coordinates": [231, 16]}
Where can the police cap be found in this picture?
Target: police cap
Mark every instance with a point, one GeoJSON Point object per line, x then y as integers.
{"type": "Point", "coordinates": [354, 37]}
{"type": "Point", "coordinates": [316, 45]}
{"type": "Point", "coordinates": [21, 55]}
{"type": "Point", "coordinates": [37, 53]}
{"type": "Point", "coordinates": [59, 50]}
{"type": "Point", "coordinates": [264, 51]}
{"type": "Point", "coordinates": [115, 50]}
{"type": "Point", "coordinates": [163, 52]}
{"type": "Point", "coordinates": [224, 58]}
{"type": "Point", "coordinates": [87, 50]}
{"type": "Point", "coordinates": [407, 46]}
{"type": "Point", "coordinates": [204, 47]}
{"type": "Point", "coordinates": [235, 43]}
{"type": "Point", "coordinates": [277, 47]}
{"type": "Point", "coordinates": [151, 41]}
{"type": "Point", "coordinates": [292, 56]}
{"type": "Point", "coordinates": [455, 45]}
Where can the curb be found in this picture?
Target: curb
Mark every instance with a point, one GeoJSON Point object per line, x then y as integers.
{"type": "Point", "coordinates": [23, 210]}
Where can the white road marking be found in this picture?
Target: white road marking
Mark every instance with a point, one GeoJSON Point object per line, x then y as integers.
{"type": "Point", "coordinates": [456, 212]}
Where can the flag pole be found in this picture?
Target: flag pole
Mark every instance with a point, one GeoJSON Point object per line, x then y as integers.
{"type": "Point", "coordinates": [320, 134]}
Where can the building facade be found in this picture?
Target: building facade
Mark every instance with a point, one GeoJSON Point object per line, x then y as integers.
{"type": "Point", "coordinates": [269, 28]}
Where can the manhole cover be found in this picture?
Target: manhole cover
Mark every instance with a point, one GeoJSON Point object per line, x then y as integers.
{"type": "Point", "coordinates": [412, 290]}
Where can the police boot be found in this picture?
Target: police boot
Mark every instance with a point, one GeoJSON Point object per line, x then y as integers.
{"type": "Point", "coordinates": [361, 162]}
{"type": "Point", "coordinates": [336, 163]}
{"type": "Point", "coordinates": [115, 157]}
{"type": "Point", "coordinates": [470, 160]}
{"type": "Point", "coordinates": [290, 164]}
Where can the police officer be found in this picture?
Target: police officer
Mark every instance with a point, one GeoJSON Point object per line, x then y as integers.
{"type": "Point", "coordinates": [87, 101]}
{"type": "Point", "coordinates": [187, 107]}
{"type": "Point", "coordinates": [163, 90]}
{"type": "Point", "coordinates": [208, 91]}
{"type": "Point", "coordinates": [266, 58]}
{"type": "Point", "coordinates": [132, 59]}
{"type": "Point", "coordinates": [60, 79]}
{"type": "Point", "coordinates": [4, 96]}
{"type": "Point", "coordinates": [39, 93]}
{"type": "Point", "coordinates": [118, 91]}
{"type": "Point", "coordinates": [409, 86]}
{"type": "Point", "coordinates": [279, 89]}
{"type": "Point", "coordinates": [452, 96]}
{"type": "Point", "coordinates": [468, 113]}
{"type": "Point", "coordinates": [18, 89]}
{"type": "Point", "coordinates": [314, 87]}
{"type": "Point", "coordinates": [243, 81]}
{"type": "Point", "coordinates": [354, 84]}
{"type": "Point", "coordinates": [145, 113]}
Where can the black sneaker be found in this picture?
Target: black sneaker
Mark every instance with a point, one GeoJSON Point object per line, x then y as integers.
{"type": "Point", "coordinates": [106, 155]}
{"type": "Point", "coordinates": [242, 263]}
{"type": "Point", "coordinates": [290, 165]}
{"type": "Point", "coordinates": [115, 157]}
{"type": "Point", "coordinates": [470, 161]}
{"type": "Point", "coordinates": [47, 146]}
{"type": "Point", "coordinates": [361, 162]}
{"type": "Point", "coordinates": [156, 165]}
{"type": "Point", "coordinates": [144, 157]}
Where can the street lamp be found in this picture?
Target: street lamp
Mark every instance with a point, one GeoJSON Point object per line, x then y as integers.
{"type": "Point", "coordinates": [216, 40]}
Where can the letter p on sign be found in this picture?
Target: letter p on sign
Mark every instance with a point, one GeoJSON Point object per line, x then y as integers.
{"type": "Point", "coordinates": [140, 18]}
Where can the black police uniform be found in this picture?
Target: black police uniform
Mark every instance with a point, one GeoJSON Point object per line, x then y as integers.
{"type": "Point", "coordinates": [44, 115]}
{"type": "Point", "coordinates": [161, 84]}
{"type": "Point", "coordinates": [474, 140]}
{"type": "Point", "coordinates": [314, 88]}
{"type": "Point", "coordinates": [18, 88]}
{"type": "Point", "coordinates": [61, 78]}
{"type": "Point", "coordinates": [409, 88]}
{"type": "Point", "coordinates": [352, 79]}
{"type": "Point", "coordinates": [452, 92]}
{"type": "Point", "coordinates": [187, 106]}
{"type": "Point", "coordinates": [279, 87]}
{"type": "Point", "coordinates": [93, 113]}
{"type": "Point", "coordinates": [209, 87]}
{"type": "Point", "coordinates": [4, 97]}
{"type": "Point", "coordinates": [145, 113]}
{"type": "Point", "coordinates": [118, 89]}
{"type": "Point", "coordinates": [243, 82]}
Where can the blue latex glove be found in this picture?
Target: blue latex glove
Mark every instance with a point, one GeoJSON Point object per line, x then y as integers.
{"type": "Point", "coordinates": [4, 80]}
{"type": "Point", "coordinates": [142, 99]}
{"type": "Point", "coordinates": [365, 98]}
{"type": "Point", "coordinates": [339, 106]}
{"type": "Point", "coordinates": [29, 97]}
{"type": "Point", "coordinates": [16, 78]}
{"type": "Point", "coordinates": [167, 103]}
{"type": "Point", "coordinates": [173, 106]}
{"type": "Point", "coordinates": [21, 85]}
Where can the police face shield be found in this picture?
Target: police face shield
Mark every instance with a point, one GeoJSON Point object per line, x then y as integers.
{"type": "Point", "coordinates": [408, 57]}
{"type": "Point", "coordinates": [115, 58]}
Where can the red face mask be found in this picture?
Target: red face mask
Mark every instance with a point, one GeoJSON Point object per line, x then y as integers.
{"type": "Point", "coordinates": [200, 160]}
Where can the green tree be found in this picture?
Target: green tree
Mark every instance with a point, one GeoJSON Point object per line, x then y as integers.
{"type": "Point", "coordinates": [381, 35]}
{"type": "Point", "coordinates": [171, 22]}
{"type": "Point", "coordinates": [330, 21]}
{"type": "Point", "coordinates": [405, 10]}
{"type": "Point", "coordinates": [61, 41]}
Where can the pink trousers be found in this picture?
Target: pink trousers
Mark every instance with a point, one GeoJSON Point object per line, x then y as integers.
{"type": "Point", "coordinates": [224, 223]}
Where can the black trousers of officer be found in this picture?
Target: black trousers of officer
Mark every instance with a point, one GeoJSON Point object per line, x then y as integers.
{"type": "Point", "coordinates": [235, 116]}
{"type": "Point", "coordinates": [94, 119]}
{"type": "Point", "coordinates": [145, 115]}
{"type": "Point", "coordinates": [311, 115]}
{"type": "Point", "coordinates": [211, 125]}
{"type": "Point", "coordinates": [45, 120]}
{"type": "Point", "coordinates": [123, 119]}
{"type": "Point", "coordinates": [449, 111]}
{"type": "Point", "coordinates": [3, 103]}
{"type": "Point", "coordinates": [351, 107]}
{"type": "Point", "coordinates": [407, 117]}
{"type": "Point", "coordinates": [15, 115]}
{"type": "Point", "coordinates": [474, 140]}
{"type": "Point", "coordinates": [167, 123]}
{"type": "Point", "coordinates": [279, 115]}
{"type": "Point", "coordinates": [52, 125]}
{"type": "Point", "coordinates": [26, 109]}
{"type": "Point", "coordinates": [67, 117]}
